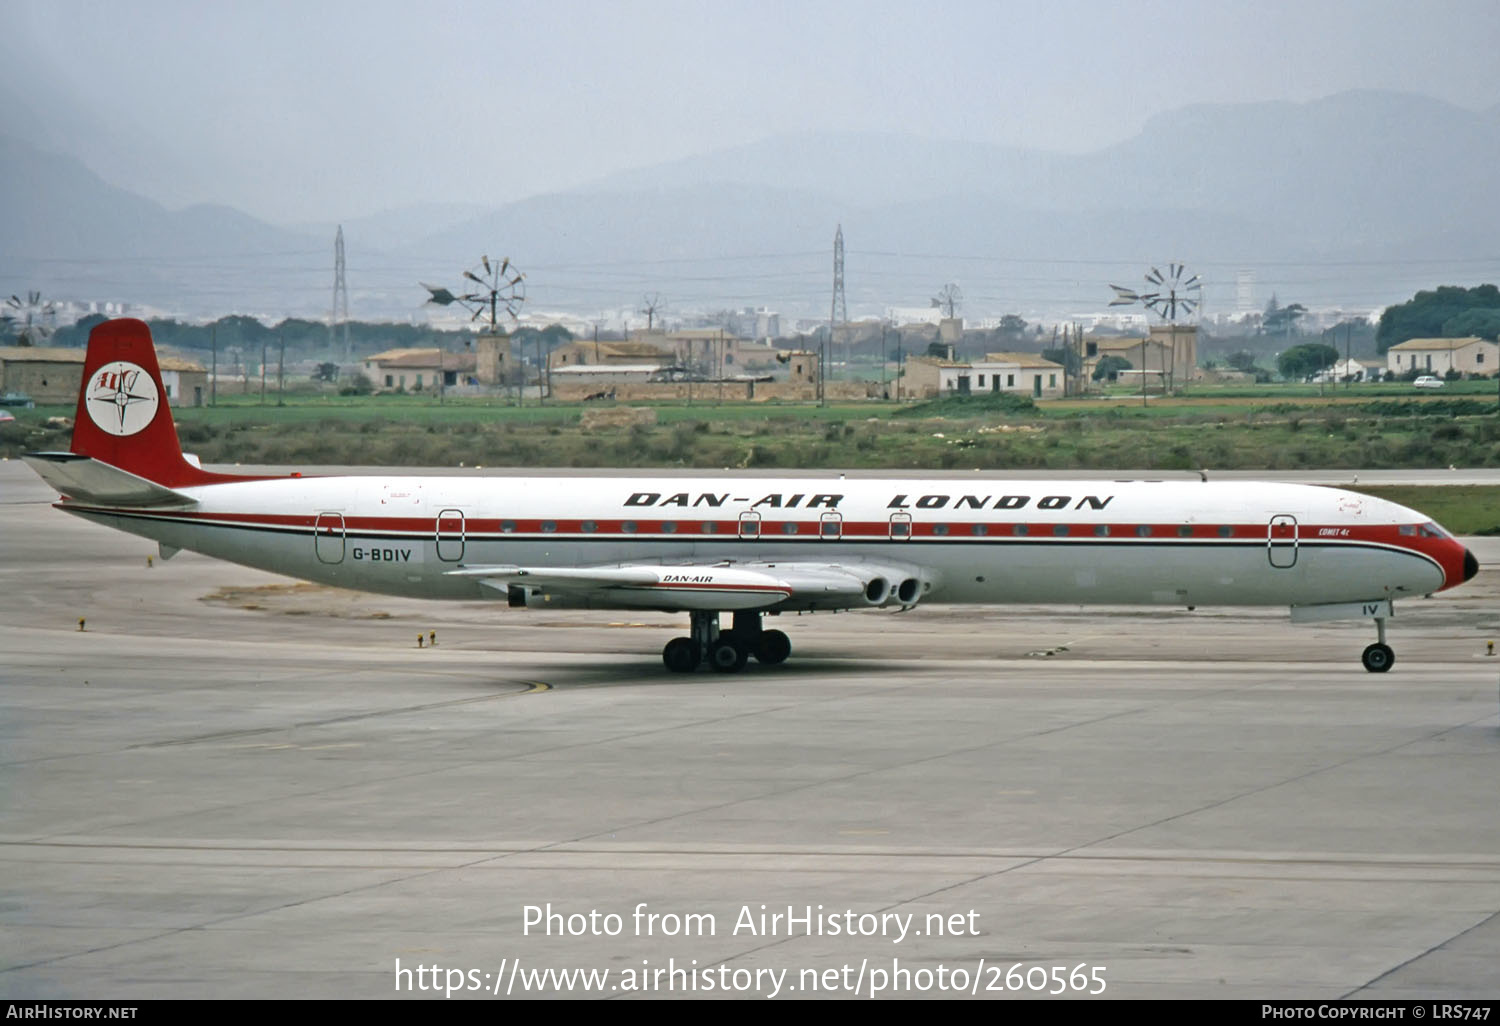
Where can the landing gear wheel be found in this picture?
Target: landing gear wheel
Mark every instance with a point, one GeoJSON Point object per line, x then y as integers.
{"type": "Point", "coordinates": [727, 657]}
{"type": "Point", "coordinates": [772, 647]}
{"type": "Point", "coordinates": [1378, 658]}
{"type": "Point", "coordinates": [680, 655]}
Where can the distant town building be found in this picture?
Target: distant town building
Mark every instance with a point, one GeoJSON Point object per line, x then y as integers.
{"type": "Point", "coordinates": [584, 352]}
{"type": "Point", "coordinates": [1438, 356]}
{"type": "Point", "coordinates": [607, 373]}
{"type": "Point", "coordinates": [413, 370]}
{"type": "Point", "coordinates": [50, 374]}
{"type": "Point", "coordinates": [802, 365]}
{"type": "Point", "coordinates": [186, 381]}
{"type": "Point", "coordinates": [1165, 354]}
{"type": "Point", "coordinates": [492, 362]}
{"type": "Point", "coordinates": [710, 352]}
{"type": "Point", "coordinates": [747, 322]}
{"type": "Point", "coordinates": [928, 377]}
{"type": "Point", "coordinates": [1351, 370]}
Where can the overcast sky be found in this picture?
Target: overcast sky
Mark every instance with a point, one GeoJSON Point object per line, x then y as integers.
{"type": "Point", "coordinates": [317, 111]}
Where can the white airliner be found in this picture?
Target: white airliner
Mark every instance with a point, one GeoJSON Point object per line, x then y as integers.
{"type": "Point", "coordinates": [755, 547]}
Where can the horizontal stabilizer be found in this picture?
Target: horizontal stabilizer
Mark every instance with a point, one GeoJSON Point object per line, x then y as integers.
{"type": "Point", "coordinates": [86, 479]}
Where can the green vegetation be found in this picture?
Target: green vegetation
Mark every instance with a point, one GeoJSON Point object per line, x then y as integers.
{"type": "Point", "coordinates": [1449, 311]}
{"type": "Point", "coordinates": [1109, 368]}
{"type": "Point", "coordinates": [978, 404]}
{"type": "Point", "coordinates": [1304, 361]}
{"type": "Point", "coordinates": [1246, 428]}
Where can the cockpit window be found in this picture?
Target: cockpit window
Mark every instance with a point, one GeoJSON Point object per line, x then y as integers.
{"type": "Point", "coordinates": [1431, 530]}
{"type": "Point", "coordinates": [1408, 529]}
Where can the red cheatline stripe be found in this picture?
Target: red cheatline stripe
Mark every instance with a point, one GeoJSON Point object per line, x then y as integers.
{"type": "Point", "coordinates": [1435, 549]}
{"type": "Point", "coordinates": [771, 530]}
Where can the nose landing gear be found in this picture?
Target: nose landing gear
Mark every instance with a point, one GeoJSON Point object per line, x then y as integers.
{"type": "Point", "coordinates": [1379, 657]}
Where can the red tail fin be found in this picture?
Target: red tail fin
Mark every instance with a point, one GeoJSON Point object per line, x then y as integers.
{"type": "Point", "coordinates": [123, 418]}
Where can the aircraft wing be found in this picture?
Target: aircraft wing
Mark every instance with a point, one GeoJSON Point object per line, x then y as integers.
{"type": "Point", "coordinates": [762, 584]}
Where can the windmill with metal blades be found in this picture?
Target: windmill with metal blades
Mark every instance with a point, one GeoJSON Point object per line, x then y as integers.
{"type": "Point", "coordinates": [30, 320]}
{"type": "Point", "coordinates": [1170, 297]}
{"type": "Point", "coordinates": [949, 300]}
{"type": "Point", "coordinates": [651, 305]}
{"type": "Point", "coordinates": [494, 290]}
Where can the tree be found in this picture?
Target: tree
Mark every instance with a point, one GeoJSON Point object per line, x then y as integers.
{"type": "Point", "coordinates": [1243, 361]}
{"type": "Point", "coordinates": [357, 385]}
{"type": "Point", "coordinates": [1306, 360]}
{"type": "Point", "coordinates": [1273, 308]}
{"type": "Point", "coordinates": [1012, 329]}
{"type": "Point", "coordinates": [1110, 367]}
{"type": "Point", "coordinates": [1282, 320]}
{"type": "Point", "coordinates": [1429, 313]}
{"type": "Point", "coordinates": [1481, 321]}
{"type": "Point", "coordinates": [326, 372]}
{"type": "Point", "coordinates": [1065, 357]}
{"type": "Point", "coordinates": [1357, 333]}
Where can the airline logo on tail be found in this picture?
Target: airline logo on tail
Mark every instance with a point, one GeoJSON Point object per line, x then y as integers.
{"type": "Point", "coordinates": [122, 398]}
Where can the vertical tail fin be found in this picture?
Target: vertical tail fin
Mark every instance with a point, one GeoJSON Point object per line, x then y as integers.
{"type": "Point", "coordinates": [123, 417]}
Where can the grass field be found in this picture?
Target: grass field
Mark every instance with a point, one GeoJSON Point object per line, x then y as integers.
{"type": "Point", "coordinates": [1388, 429]}
{"type": "Point", "coordinates": [1394, 427]}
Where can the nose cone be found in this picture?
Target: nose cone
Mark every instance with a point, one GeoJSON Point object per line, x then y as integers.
{"type": "Point", "coordinates": [1471, 565]}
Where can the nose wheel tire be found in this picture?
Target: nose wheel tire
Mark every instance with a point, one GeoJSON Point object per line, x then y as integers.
{"type": "Point", "coordinates": [1378, 658]}
{"type": "Point", "coordinates": [680, 655]}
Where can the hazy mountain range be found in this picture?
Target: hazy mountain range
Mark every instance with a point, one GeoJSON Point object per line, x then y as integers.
{"type": "Point", "coordinates": [1354, 200]}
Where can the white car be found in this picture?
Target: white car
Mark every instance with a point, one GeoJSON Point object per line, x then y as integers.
{"type": "Point", "coordinates": [1428, 381]}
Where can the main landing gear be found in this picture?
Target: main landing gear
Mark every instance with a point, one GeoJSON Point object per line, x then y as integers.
{"type": "Point", "coordinates": [726, 651]}
{"type": "Point", "coordinates": [1378, 657]}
